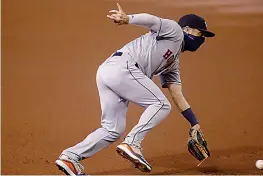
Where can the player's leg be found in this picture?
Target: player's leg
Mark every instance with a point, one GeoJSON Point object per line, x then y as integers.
{"type": "Point", "coordinates": [113, 123]}
{"type": "Point", "coordinates": [134, 86]}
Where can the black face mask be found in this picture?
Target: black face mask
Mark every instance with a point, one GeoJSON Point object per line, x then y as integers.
{"type": "Point", "coordinates": [192, 43]}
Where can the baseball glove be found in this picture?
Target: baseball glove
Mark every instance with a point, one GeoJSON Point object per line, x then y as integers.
{"type": "Point", "coordinates": [197, 145]}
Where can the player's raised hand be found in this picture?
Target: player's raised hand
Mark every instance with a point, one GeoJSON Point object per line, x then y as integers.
{"type": "Point", "coordinates": [118, 16]}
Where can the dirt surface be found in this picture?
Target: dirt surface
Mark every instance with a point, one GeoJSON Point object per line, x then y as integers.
{"type": "Point", "coordinates": [51, 50]}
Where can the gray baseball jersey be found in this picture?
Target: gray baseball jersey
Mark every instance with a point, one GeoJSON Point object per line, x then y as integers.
{"type": "Point", "coordinates": [157, 57]}
{"type": "Point", "coordinates": [126, 76]}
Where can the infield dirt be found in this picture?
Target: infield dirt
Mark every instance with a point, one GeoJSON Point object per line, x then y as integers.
{"type": "Point", "coordinates": [51, 50]}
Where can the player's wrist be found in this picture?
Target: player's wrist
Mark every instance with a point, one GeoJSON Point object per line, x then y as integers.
{"type": "Point", "coordinates": [126, 19]}
{"type": "Point", "coordinates": [190, 116]}
{"type": "Point", "coordinates": [130, 17]}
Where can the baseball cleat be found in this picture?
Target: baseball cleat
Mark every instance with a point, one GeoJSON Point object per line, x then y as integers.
{"type": "Point", "coordinates": [134, 155]}
{"type": "Point", "coordinates": [69, 166]}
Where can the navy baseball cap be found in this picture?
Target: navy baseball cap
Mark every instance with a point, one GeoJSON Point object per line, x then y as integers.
{"type": "Point", "coordinates": [196, 22]}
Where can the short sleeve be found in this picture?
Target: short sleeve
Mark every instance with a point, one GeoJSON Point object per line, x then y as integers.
{"type": "Point", "coordinates": [170, 29]}
{"type": "Point", "coordinates": [163, 27]}
{"type": "Point", "coordinates": [171, 77]}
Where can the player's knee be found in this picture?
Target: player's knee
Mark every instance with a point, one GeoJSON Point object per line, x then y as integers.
{"type": "Point", "coordinates": [167, 106]}
{"type": "Point", "coordinates": [164, 106]}
{"type": "Point", "coordinates": [115, 134]}
{"type": "Point", "coordinates": [119, 132]}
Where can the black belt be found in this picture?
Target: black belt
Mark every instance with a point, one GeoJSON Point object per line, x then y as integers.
{"type": "Point", "coordinates": [120, 54]}
{"type": "Point", "coordinates": [117, 54]}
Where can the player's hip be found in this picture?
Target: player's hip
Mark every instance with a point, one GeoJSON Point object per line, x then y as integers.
{"type": "Point", "coordinates": [120, 59]}
{"type": "Point", "coordinates": [117, 69]}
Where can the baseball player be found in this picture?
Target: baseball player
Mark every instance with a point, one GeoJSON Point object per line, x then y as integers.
{"type": "Point", "coordinates": [126, 76]}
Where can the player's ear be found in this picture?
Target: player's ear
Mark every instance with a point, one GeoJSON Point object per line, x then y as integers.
{"type": "Point", "coordinates": [187, 29]}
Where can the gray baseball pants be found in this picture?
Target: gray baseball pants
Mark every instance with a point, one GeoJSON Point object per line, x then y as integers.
{"type": "Point", "coordinates": [119, 82]}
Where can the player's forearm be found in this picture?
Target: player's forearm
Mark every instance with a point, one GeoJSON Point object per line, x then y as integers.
{"type": "Point", "coordinates": [182, 104]}
{"type": "Point", "coordinates": [184, 108]}
{"type": "Point", "coordinates": [145, 20]}
{"type": "Point", "coordinates": [180, 101]}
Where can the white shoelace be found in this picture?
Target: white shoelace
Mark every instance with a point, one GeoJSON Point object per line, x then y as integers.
{"type": "Point", "coordinates": [80, 168]}
{"type": "Point", "coordinates": [137, 149]}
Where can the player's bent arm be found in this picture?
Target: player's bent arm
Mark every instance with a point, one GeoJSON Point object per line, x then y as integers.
{"type": "Point", "coordinates": [142, 19]}
{"type": "Point", "coordinates": [181, 103]}
{"type": "Point", "coordinates": [145, 20]}
{"type": "Point", "coordinates": [178, 97]}
{"type": "Point", "coordinates": [165, 27]}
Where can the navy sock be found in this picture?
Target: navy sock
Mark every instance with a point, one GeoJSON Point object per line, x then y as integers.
{"type": "Point", "coordinates": [190, 116]}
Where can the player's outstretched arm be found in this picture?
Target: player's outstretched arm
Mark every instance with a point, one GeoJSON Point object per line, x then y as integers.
{"type": "Point", "coordinates": [181, 103]}
{"type": "Point", "coordinates": [197, 145]}
{"type": "Point", "coordinates": [143, 19]}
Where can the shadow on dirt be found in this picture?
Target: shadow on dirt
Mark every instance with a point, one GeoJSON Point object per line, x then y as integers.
{"type": "Point", "coordinates": [222, 162]}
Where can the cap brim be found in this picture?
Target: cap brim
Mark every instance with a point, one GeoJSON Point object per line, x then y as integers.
{"type": "Point", "coordinates": [207, 33]}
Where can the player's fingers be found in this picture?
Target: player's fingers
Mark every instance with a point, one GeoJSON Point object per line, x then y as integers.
{"type": "Point", "coordinates": [119, 7]}
{"type": "Point", "coordinates": [110, 17]}
{"type": "Point", "coordinates": [114, 11]}
{"type": "Point", "coordinates": [116, 22]}
{"type": "Point", "coordinates": [114, 17]}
